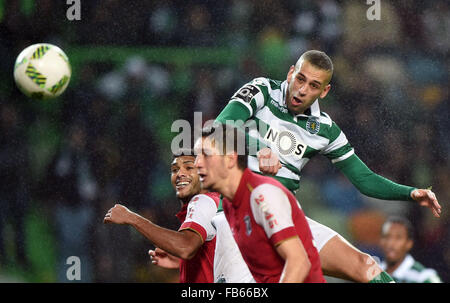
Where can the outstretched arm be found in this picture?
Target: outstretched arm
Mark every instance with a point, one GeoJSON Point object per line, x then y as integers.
{"type": "Point", "coordinates": [163, 259]}
{"type": "Point", "coordinates": [427, 198]}
{"type": "Point", "coordinates": [182, 244]}
{"type": "Point", "coordinates": [376, 186]}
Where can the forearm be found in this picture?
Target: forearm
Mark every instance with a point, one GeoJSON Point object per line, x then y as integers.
{"type": "Point", "coordinates": [371, 184]}
{"type": "Point", "coordinates": [296, 262]}
{"type": "Point", "coordinates": [173, 242]}
{"type": "Point", "coordinates": [295, 270]}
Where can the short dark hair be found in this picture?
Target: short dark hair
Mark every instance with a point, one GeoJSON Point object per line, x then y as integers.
{"type": "Point", "coordinates": [319, 59]}
{"type": "Point", "coordinates": [402, 221]}
{"type": "Point", "coordinates": [226, 133]}
{"type": "Point", "coordinates": [182, 152]}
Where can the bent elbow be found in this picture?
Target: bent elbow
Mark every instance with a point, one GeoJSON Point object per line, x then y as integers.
{"type": "Point", "coordinates": [305, 269]}
{"type": "Point", "coordinates": [307, 266]}
{"type": "Point", "coordinates": [187, 253]}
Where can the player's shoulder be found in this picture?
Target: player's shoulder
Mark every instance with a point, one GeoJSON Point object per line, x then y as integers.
{"type": "Point", "coordinates": [269, 190]}
{"type": "Point", "coordinates": [417, 266]}
{"type": "Point", "coordinates": [420, 273]}
{"type": "Point", "coordinates": [208, 198]}
{"type": "Point", "coordinates": [215, 196]}
{"type": "Point", "coordinates": [267, 187]}
{"type": "Point", "coordinates": [328, 127]}
{"type": "Point", "coordinates": [257, 180]}
{"type": "Point", "coordinates": [267, 83]}
{"type": "Point", "coordinates": [326, 119]}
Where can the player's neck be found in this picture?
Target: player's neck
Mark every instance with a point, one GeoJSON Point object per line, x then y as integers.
{"type": "Point", "coordinates": [232, 183]}
{"type": "Point", "coordinates": [392, 266]}
{"type": "Point", "coordinates": [187, 199]}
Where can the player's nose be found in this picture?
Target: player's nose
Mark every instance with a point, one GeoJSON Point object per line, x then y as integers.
{"type": "Point", "coordinates": [302, 90]}
{"type": "Point", "coordinates": [182, 172]}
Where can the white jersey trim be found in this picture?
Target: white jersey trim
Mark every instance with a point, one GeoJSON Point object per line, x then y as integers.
{"type": "Point", "coordinates": [201, 209]}
{"type": "Point", "coordinates": [343, 157]}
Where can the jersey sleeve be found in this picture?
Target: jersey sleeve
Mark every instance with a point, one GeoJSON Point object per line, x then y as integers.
{"type": "Point", "coordinates": [246, 101]}
{"type": "Point", "coordinates": [343, 156]}
{"type": "Point", "coordinates": [372, 184]}
{"type": "Point", "coordinates": [338, 149]}
{"type": "Point", "coordinates": [200, 211]}
{"type": "Point", "coordinates": [271, 210]}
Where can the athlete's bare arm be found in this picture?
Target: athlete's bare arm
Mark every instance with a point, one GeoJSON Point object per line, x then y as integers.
{"type": "Point", "coordinates": [297, 264]}
{"type": "Point", "coordinates": [163, 259]}
{"type": "Point", "coordinates": [182, 244]}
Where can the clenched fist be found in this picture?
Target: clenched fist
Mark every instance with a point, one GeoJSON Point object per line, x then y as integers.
{"type": "Point", "coordinates": [268, 161]}
{"type": "Point", "coordinates": [119, 214]}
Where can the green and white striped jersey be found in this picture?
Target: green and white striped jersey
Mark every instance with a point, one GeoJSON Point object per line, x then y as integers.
{"type": "Point", "coordinates": [295, 138]}
{"type": "Point", "coordinates": [411, 271]}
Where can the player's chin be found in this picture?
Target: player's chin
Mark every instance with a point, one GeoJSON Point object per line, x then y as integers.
{"type": "Point", "coordinates": [296, 109]}
{"type": "Point", "coordinates": [206, 184]}
{"type": "Point", "coordinates": [392, 257]}
{"type": "Point", "coordinates": [184, 192]}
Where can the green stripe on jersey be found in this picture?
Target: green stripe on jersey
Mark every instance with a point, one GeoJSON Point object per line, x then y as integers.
{"type": "Point", "coordinates": [290, 184]}
{"type": "Point", "coordinates": [286, 134]}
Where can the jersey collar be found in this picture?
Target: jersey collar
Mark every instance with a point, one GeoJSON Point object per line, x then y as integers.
{"type": "Point", "coordinates": [181, 215]}
{"type": "Point", "coordinates": [314, 109]}
{"type": "Point", "coordinates": [407, 263]}
{"type": "Point", "coordinates": [242, 188]}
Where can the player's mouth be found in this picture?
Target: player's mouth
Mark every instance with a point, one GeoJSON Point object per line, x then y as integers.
{"type": "Point", "coordinates": [182, 183]}
{"type": "Point", "coordinates": [202, 176]}
{"type": "Point", "coordinates": [296, 101]}
{"type": "Point", "coordinates": [391, 254]}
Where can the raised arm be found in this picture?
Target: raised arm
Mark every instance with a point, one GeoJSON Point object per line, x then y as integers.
{"type": "Point", "coordinates": [376, 186]}
{"type": "Point", "coordinates": [183, 244]}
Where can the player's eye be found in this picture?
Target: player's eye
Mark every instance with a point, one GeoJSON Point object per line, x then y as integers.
{"type": "Point", "coordinates": [174, 170]}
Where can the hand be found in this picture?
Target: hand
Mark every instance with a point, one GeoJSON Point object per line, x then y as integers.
{"type": "Point", "coordinates": [268, 161]}
{"type": "Point", "coordinates": [163, 259]}
{"type": "Point", "coordinates": [119, 214]}
{"type": "Point", "coordinates": [427, 198]}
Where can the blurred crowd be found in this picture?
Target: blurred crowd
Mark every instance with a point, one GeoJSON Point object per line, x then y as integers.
{"type": "Point", "coordinates": [64, 163]}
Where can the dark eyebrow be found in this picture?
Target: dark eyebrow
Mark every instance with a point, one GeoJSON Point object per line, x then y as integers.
{"type": "Point", "coordinates": [315, 81]}
{"type": "Point", "coordinates": [188, 161]}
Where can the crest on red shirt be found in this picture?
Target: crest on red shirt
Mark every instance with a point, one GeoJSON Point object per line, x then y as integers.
{"type": "Point", "coordinates": [248, 225]}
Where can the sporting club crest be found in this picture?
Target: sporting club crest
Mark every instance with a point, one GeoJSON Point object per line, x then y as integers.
{"type": "Point", "coordinates": [313, 125]}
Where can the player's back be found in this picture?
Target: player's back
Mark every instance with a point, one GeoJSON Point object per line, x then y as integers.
{"type": "Point", "coordinates": [256, 239]}
{"type": "Point", "coordinates": [302, 228]}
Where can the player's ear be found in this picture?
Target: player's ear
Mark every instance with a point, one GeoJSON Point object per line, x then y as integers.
{"type": "Point", "coordinates": [290, 72]}
{"type": "Point", "coordinates": [232, 160]}
{"type": "Point", "coordinates": [409, 244]}
{"type": "Point", "coordinates": [325, 91]}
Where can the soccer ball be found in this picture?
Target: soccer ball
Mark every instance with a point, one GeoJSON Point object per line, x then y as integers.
{"type": "Point", "coordinates": [42, 71]}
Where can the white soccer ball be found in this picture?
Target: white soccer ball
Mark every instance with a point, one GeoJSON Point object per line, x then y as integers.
{"type": "Point", "coordinates": [42, 71]}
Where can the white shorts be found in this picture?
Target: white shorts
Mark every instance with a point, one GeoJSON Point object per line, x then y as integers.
{"type": "Point", "coordinates": [321, 233]}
